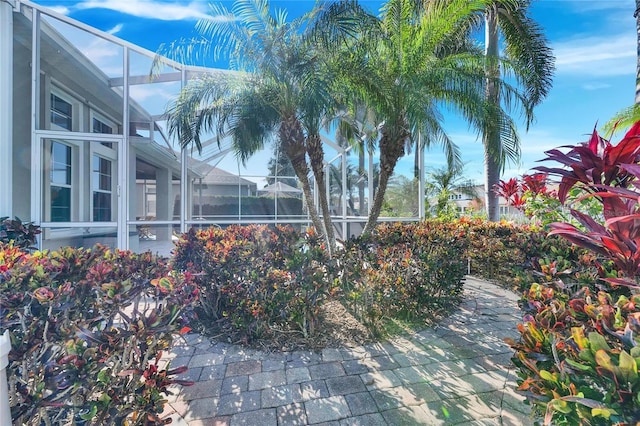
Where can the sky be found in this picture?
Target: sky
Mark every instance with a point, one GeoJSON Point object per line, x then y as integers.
{"type": "Point", "coordinates": [594, 42]}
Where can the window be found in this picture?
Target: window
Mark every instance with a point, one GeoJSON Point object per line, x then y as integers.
{"type": "Point", "coordinates": [61, 113]}
{"type": "Point", "coordinates": [101, 178]}
{"type": "Point", "coordinates": [99, 126]}
{"type": "Point", "coordinates": [60, 179]}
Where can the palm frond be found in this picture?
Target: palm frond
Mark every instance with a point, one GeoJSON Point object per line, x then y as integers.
{"type": "Point", "coordinates": [527, 46]}
{"type": "Point", "coordinates": [622, 120]}
{"type": "Point", "coordinates": [253, 123]}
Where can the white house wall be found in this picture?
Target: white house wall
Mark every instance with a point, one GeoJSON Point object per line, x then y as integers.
{"type": "Point", "coordinates": [65, 71]}
{"type": "Point", "coordinates": [6, 108]}
{"type": "Point", "coordinates": [63, 65]}
{"type": "Point", "coordinates": [21, 147]}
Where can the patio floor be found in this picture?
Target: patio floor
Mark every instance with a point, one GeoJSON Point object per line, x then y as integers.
{"type": "Point", "coordinates": [457, 373]}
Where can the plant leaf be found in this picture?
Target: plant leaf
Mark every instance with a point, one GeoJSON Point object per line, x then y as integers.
{"type": "Point", "coordinates": [628, 367]}
{"type": "Point", "coordinates": [604, 360]}
{"type": "Point", "coordinates": [597, 342]}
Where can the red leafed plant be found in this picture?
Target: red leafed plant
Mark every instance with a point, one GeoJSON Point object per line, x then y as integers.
{"type": "Point", "coordinates": [579, 352]}
{"type": "Point", "coordinates": [516, 192]}
{"type": "Point", "coordinates": [535, 183]}
{"type": "Point", "coordinates": [597, 166]}
{"type": "Point", "coordinates": [507, 189]}
{"type": "Point", "coordinates": [610, 173]}
{"type": "Point", "coordinates": [86, 326]}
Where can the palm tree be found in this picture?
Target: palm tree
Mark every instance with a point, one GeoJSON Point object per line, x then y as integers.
{"type": "Point", "coordinates": [416, 58]}
{"type": "Point", "coordinates": [280, 168]}
{"type": "Point", "coordinates": [443, 182]}
{"type": "Point", "coordinates": [402, 198]}
{"type": "Point", "coordinates": [358, 127]}
{"type": "Point", "coordinates": [284, 87]}
{"type": "Point", "coordinates": [336, 185]}
{"type": "Point", "coordinates": [629, 115]}
{"type": "Point", "coordinates": [529, 59]}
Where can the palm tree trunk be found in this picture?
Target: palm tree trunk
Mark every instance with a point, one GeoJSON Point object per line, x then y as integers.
{"type": "Point", "coordinates": [390, 152]}
{"type": "Point", "coordinates": [492, 177]}
{"type": "Point", "coordinates": [292, 139]}
{"type": "Point", "coordinates": [637, 16]}
{"type": "Point", "coordinates": [316, 156]}
{"type": "Point", "coordinates": [490, 137]}
{"type": "Point", "coordinates": [361, 182]}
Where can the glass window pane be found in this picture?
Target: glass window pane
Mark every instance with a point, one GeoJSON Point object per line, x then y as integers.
{"type": "Point", "coordinates": [60, 163]}
{"type": "Point", "coordinates": [60, 204]}
{"type": "Point", "coordinates": [101, 174]}
{"type": "Point", "coordinates": [100, 127]}
{"type": "Point", "coordinates": [101, 206]}
{"type": "Point", "coordinates": [61, 112]}
{"type": "Point", "coordinates": [60, 105]}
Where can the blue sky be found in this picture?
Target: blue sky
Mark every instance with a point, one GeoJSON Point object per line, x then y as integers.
{"type": "Point", "coordinates": [594, 42]}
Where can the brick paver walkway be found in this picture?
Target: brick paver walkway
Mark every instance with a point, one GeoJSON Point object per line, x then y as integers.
{"type": "Point", "coordinates": [457, 373]}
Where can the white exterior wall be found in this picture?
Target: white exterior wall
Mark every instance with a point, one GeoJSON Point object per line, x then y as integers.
{"type": "Point", "coordinates": [6, 108]}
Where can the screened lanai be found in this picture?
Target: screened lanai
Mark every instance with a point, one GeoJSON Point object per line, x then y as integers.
{"type": "Point", "coordinates": [91, 160]}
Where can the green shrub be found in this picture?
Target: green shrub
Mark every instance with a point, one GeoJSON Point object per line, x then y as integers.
{"type": "Point", "coordinates": [257, 279]}
{"type": "Point", "coordinates": [88, 327]}
{"type": "Point", "coordinates": [510, 254]}
{"type": "Point", "coordinates": [405, 271]}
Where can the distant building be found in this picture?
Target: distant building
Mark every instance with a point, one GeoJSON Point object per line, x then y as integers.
{"type": "Point", "coordinates": [466, 203]}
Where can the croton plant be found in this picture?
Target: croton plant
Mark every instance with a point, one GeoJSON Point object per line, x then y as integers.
{"type": "Point", "coordinates": [579, 352]}
{"type": "Point", "coordinates": [87, 329]}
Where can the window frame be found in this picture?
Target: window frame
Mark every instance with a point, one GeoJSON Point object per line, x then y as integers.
{"type": "Point", "coordinates": [76, 109]}
{"type": "Point", "coordinates": [99, 151]}
{"type": "Point", "coordinates": [52, 184]}
{"type": "Point", "coordinates": [106, 151]}
{"type": "Point", "coordinates": [83, 152]}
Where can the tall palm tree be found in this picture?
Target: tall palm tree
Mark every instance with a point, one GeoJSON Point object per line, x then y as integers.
{"type": "Point", "coordinates": [529, 59]}
{"type": "Point", "coordinates": [631, 114]}
{"type": "Point", "coordinates": [415, 59]}
{"type": "Point", "coordinates": [284, 88]}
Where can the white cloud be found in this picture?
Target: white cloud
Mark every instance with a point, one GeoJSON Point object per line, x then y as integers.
{"type": "Point", "coordinates": [595, 56]}
{"type": "Point", "coordinates": [539, 141]}
{"type": "Point", "coordinates": [145, 92]}
{"type": "Point", "coordinates": [596, 86]}
{"type": "Point", "coordinates": [115, 30]}
{"type": "Point", "coordinates": [62, 10]}
{"type": "Point", "coordinates": [150, 9]}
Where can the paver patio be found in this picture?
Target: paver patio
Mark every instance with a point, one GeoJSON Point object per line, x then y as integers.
{"type": "Point", "coordinates": [457, 373]}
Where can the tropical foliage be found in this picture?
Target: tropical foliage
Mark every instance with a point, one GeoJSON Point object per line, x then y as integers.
{"type": "Point", "coordinates": [577, 357]}
{"type": "Point", "coordinates": [280, 168]}
{"type": "Point", "coordinates": [88, 328]}
{"type": "Point", "coordinates": [441, 184]}
{"type": "Point", "coordinates": [387, 77]}
{"type": "Point", "coordinates": [411, 61]}
{"type": "Point", "coordinates": [402, 198]}
{"type": "Point", "coordinates": [256, 281]}
{"type": "Point", "coordinates": [528, 59]}
{"type": "Point", "coordinates": [404, 271]}
{"type": "Point", "coordinates": [18, 233]}
{"type": "Point", "coordinates": [283, 89]}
